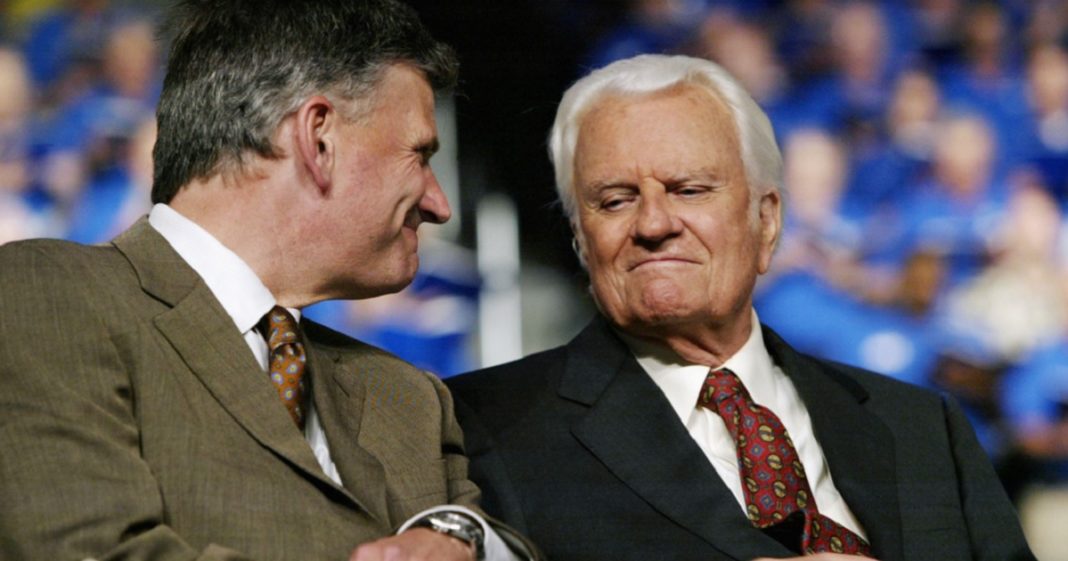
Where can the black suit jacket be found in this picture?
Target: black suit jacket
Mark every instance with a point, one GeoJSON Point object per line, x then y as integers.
{"type": "Point", "coordinates": [580, 450]}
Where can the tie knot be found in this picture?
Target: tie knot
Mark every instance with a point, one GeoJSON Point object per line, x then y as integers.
{"type": "Point", "coordinates": [720, 385]}
{"type": "Point", "coordinates": [281, 328]}
{"type": "Point", "coordinates": [286, 362]}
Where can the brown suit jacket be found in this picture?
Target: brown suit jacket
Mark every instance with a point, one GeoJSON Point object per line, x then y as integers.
{"type": "Point", "coordinates": [136, 424]}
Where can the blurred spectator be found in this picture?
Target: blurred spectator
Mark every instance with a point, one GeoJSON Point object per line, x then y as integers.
{"type": "Point", "coordinates": [988, 80]}
{"type": "Point", "coordinates": [1047, 127]}
{"type": "Point", "coordinates": [1047, 22]}
{"type": "Point", "coordinates": [1017, 302]}
{"type": "Point", "coordinates": [936, 30]}
{"type": "Point", "coordinates": [18, 217]}
{"type": "Point", "coordinates": [801, 30]}
{"type": "Point", "coordinates": [851, 100]}
{"type": "Point", "coordinates": [62, 47]}
{"type": "Point", "coordinates": [820, 319]}
{"type": "Point", "coordinates": [83, 146]}
{"type": "Point", "coordinates": [956, 212]}
{"type": "Point", "coordinates": [746, 51]}
{"type": "Point", "coordinates": [819, 234]}
{"type": "Point", "coordinates": [912, 114]}
{"type": "Point", "coordinates": [1035, 401]}
{"type": "Point", "coordinates": [119, 193]}
{"type": "Point", "coordinates": [650, 26]}
{"type": "Point", "coordinates": [119, 100]}
{"type": "Point", "coordinates": [1013, 306]}
{"type": "Point", "coordinates": [886, 170]}
{"type": "Point", "coordinates": [849, 314]}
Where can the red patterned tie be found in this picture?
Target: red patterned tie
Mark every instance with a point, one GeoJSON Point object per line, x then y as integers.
{"type": "Point", "coordinates": [773, 478]}
{"type": "Point", "coordinates": [286, 361]}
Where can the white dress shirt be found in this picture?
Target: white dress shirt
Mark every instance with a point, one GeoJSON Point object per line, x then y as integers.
{"type": "Point", "coordinates": [246, 300]}
{"type": "Point", "coordinates": [767, 384]}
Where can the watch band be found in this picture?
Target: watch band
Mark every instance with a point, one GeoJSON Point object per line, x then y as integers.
{"type": "Point", "coordinates": [457, 525]}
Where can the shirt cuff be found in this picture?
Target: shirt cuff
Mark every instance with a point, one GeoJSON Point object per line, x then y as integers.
{"type": "Point", "coordinates": [496, 549]}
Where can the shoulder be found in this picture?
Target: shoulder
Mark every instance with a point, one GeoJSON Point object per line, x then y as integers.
{"type": "Point", "coordinates": [51, 252]}
{"type": "Point", "coordinates": [893, 400]}
{"type": "Point", "coordinates": [594, 348]}
{"type": "Point", "coordinates": [344, 347]}
{"type": "Point", "coordinates": [46, 265]}
{"type": "Point", "coordinates": [874, 382]}
{"type": "Point", "coordinates": [377, 368]}
{"type": "Point", "coordinates": [864, 384]}
{"type": "Point", "coordinates": [525, 376]}
{"type": "Point", "coordinates": [523, 393]}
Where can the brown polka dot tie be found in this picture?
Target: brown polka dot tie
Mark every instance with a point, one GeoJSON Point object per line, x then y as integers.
{"type": "Point", "coordinates": [286, 361]}
{"type": "Point", "coordinates": [777, 494]}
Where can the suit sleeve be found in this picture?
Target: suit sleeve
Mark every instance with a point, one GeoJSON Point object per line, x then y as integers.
{"type": "Point", "coordinates": [72, 482]}
{"type": "Point", "coordinates": [993, 526]}
{"type": "Point", "coordinates": [464, 492]}
{"type": "Point", "coordinates": [487, 469]}
{"type": "Point", "coordinates": [461, 490]}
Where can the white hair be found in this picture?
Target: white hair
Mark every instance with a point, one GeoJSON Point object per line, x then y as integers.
{"type": "Point", "coordinates": [646, 74]}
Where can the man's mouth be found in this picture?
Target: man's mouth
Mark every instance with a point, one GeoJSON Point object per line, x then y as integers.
{"type": "Point", "coordinates": [664, 261]}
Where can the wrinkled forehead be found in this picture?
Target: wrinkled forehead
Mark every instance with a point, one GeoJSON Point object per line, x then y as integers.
{"type": "Point", "coordinates": [677, 126]}
{"type": "Point", "coordinates": [697, 87]}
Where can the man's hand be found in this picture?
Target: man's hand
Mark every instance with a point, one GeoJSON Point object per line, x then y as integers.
{"type": "Point", "coordinates": [818, 557]}
{"type": "Point", "coordinates": [418, 544]}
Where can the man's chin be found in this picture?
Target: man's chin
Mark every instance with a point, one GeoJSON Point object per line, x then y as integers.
{"type": "Point", "coordinates": [380, 287]}
{"type": "Point", "coordinates": [650, 321]}
{"type": "Point", "coordinates": [649, 309]}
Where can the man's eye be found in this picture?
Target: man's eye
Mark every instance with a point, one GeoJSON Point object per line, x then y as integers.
{"type": "Point", "coordinates": [690, 190]}
{"type": "Point", "coordinates": [613, 204]}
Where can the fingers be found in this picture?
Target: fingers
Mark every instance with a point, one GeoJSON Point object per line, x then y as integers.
{"type": "Point", "coordinates": [419, 544]}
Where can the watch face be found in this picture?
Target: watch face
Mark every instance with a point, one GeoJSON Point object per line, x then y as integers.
{"type": "Point", "coordinates": [446, 525]}
{"type": "Point", "coordinates": [456, 525]}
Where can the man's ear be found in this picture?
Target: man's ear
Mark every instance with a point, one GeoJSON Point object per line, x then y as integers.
{"type": "Point", "coordinates": [316, 128]}
{"type": "Point", "coordinates": [578, 242]}
{"type": "Point", "coordinates": [770, 227]}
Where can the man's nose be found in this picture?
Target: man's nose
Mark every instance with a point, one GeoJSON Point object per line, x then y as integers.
{"type": "Point", "coordinates": [656, 219]}
{"type": "Point", "coordinates": [434, 206]}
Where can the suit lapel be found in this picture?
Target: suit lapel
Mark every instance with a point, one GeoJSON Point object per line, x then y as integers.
{"type": "Point", "coordinates": [858, 446]}
{"type": "Point", "coordinates": [207, 341]}
{"type": "Point", "coordinates": [632, 430]}
{"type": "Point", "coordinates": [340, 401]}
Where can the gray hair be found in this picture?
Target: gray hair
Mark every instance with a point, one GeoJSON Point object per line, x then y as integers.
{"type": "Point", "coordinates": [645, 74]}
{"type": "Point", "coordinates": [238, 67]}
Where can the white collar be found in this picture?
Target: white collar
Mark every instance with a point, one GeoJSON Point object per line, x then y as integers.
{"type": "Point", "coordinates": [681, 381]}
{"type": "Point", "coordinates": [236, 286]}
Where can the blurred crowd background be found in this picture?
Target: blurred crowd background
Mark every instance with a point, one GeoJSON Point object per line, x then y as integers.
{"type": "Point", "coordinates": [926, 172]}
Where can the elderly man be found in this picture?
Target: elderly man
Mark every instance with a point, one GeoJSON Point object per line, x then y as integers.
{"type": "Point", "coordinates": [674, 426]}
{"type": "Point", "coordinates": [160, 399]}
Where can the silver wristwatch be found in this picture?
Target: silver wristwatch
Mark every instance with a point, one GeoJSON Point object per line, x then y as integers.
{"type": "Point", "coordinates": [457, 525]}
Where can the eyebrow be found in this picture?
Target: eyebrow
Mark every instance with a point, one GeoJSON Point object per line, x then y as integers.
{"type": "Point", "coordinates": [429, 147]}
{"type": "Point", "coordinates": [706, 173]}
{"type": "Point", "coordinates": [603, 184]}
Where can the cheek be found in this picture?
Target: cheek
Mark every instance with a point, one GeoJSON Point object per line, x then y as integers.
{"type": "Point", "coordinates": [606, 281]}
{"type": "Point", "coordinates": [600, 241]}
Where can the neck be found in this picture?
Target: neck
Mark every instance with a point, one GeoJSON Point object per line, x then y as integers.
{"type": "Point", "coordinates": [257, 218]}
{"type": "Point", "coordinates": [707, 344]}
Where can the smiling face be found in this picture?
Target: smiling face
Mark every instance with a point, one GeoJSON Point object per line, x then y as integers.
{"type": "Point", "coordinates": [385, 188]}
{"type": "Point", "coordinates": [670, 231]}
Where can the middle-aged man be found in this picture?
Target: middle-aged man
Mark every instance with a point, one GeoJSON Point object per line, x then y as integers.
{"type": "Point", "coordinates": [160, 400]}
{"type": "Point", "coordinates": [675, 427]}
